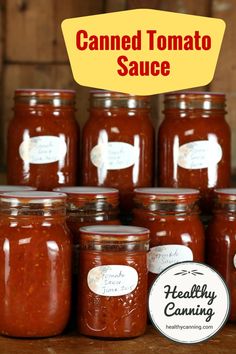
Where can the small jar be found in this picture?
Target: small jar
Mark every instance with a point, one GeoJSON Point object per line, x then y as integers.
{"type": "Point", "coordinates": [90, 206]}
{"type": "Point", "coordinates": [35, 261]}
{"type": "Point", "coordinates": [42, 145]}
{"type": "Point", "coordinates": [113, 281]}
{"type": "Point", "coordinates": [118, 143]}
{"type": "Point", "coordinates": [194, 144]}
{"type": "Point", "coordinates": [221, 241]}
{"type": "Point", "coordinates": [176, 232]}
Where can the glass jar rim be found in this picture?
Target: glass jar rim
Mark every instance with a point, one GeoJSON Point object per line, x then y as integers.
{"type": "Point", "coordinates": [227, 194]}
{"type": "Point", "coordinates": [32, 197]}
{"type": "Point", "coordinates": [114, 230]}
{"type": "Point", "coordinates": [83, 190]}
{"type": "Point", "coordinates": [170, 193]}
{"type": "Point", "coordinates": [15, 188]}
{"type": "Point", "coordinates": [29, 92]}
{"type": "Point", "coordinates": [194, 100]}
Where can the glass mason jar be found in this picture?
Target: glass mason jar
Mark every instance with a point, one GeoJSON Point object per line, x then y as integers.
{"type": "Point", "coordinates": [90, 206]}
{"type": "Point", "coordinates": [87, 206]}
{"type": "Point", "coordinates": [35, 264]}
{"type": "Point", "coordinates": [118, 142]}
{"type": "Point", "coordinates": [221, 241]}
{"type": "Point", "coordinates": [176, 232]}
{"type": "Point", "coordinates": [194, 144]}
{"type": "Point", "coordinates": [113, 281]}
{"type": "Point", "coordinates": [42, 146]}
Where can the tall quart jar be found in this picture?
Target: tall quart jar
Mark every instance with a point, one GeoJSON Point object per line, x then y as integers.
{"type": "Point", "coordinates": [35, 264]}
{"type": "Point", "coordinates": [194, 144]}
{"type": "Point", "coordinates": [118, 143]}
{"type": "Point", "coordinates": [113, 281]}
{"type": "Point", "coordinates": [42, 145]}
{"type": "Point", "coordinates": [176, 232]}
{"type": "Point", "coordinates": [221, 241]}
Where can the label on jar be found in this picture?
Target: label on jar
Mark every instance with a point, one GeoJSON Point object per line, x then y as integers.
{"type": "Point", "coordinates": [112, 280]}
{"type": "Point", "coordinates": [161, 257]}
{"type": "Point", "coordinates": [199, 154]}
{"type": "Point", "coordinates": [43, 149]}
{"type": "Point", "coordinates": [114, 155]}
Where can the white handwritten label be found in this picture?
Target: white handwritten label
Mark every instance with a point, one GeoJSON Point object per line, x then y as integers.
{"type": "Point", "coordinates": [112, 280]}
{"type": "Point", "coordinates": [161, 257]}
{"type": "Point", "coordinates": [43, 149]}
{"type": "Point", "coordinates": [199, 154]}
{"type": "Point", "coordinates": [114, 155]}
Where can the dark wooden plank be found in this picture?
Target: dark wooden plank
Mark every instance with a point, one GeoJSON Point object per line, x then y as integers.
{"type": "Point", "coordinates": [193, 7]}
{"type": "Point", "coordinates": [34, 28]}
{"type": "Point", "coordinates": [147, 4]}
{"type": "Point", "coordinates": [117, 5]}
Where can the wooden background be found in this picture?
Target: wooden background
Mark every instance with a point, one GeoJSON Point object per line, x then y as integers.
{"type": "Point", "coordinates": [32, 50]}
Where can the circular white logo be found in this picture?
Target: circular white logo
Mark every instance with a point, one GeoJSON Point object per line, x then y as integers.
{"type": "Point", "coordinates": [189, 302]}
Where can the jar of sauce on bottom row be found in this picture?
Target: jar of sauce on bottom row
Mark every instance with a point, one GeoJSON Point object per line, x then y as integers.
{"type": "Point", "coordinates": [176, 232]}
{"type": "Point", "coordinates": [87, 206]}
{"type": "Point", "coordinates": [35, 264]}
{"type": "Point", "coordinates": [113, 281]}
{"type": "Point", "coordinates": [221, 241]}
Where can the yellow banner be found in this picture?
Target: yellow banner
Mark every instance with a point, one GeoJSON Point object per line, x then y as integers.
{"type": "Point", "coordinates": [143, 51]}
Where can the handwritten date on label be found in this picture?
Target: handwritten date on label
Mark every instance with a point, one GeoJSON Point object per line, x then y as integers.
{"type": "Point", "coordinates": [112, 280]}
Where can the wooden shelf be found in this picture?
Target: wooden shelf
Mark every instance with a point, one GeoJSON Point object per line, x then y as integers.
{"type": "Point", "coordinates": [150, 343]}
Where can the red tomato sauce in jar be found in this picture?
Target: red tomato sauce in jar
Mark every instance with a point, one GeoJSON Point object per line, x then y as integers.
{"type": "Point", "coordinates": [118, 143]}
{"type": "Point", "coordinates": [90, 206]}
{"type": "Point", "coordinates": [35, 264]}
{"type": "Point", "coordinates": [221, 241]}
{"type": "Point", "coordinates": [113, 281]}
{"type": "Point", "coordinates": [42, 145]}
{"type": "Point", "coordinates": [176, 232]}
{"type": "Point", "coordinates": [194, 144]}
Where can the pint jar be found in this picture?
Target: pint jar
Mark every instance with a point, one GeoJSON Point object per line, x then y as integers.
{"type": "Point", "coordinates": [113, 281]}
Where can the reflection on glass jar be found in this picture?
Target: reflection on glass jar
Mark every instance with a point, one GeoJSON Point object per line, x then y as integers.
{"type": "Point", "coordinates": [176, 232]}
{"type": "Point", "coordinates": [118, 144]}
{"type": "Point", "coordinates": [42, 146]}
{"type": "Point", "coordinates": [113, 281]}
{"type": "Point", "coordinates": [221, 241]}
{"type": "Point", "coordinates": [194, 144]}
{"type": "Point", "coordinates": [35, 264]}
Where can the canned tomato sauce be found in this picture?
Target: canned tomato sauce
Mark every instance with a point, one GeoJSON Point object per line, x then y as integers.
{"type": "Point", "coordinates": [35, 264]}
{"type": "Point", "coordinates": [194, 144]}
{"type": "Point", "coordinates": [113, 281]}
{"type": "Point", "coordinates": [42, 145]}
{"type": "Point", "coordinates": [221, 241]}
{"type": "Point", "coordinates": [176, 232]}
{"type": "Point", "coordinates": [118, 143]}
